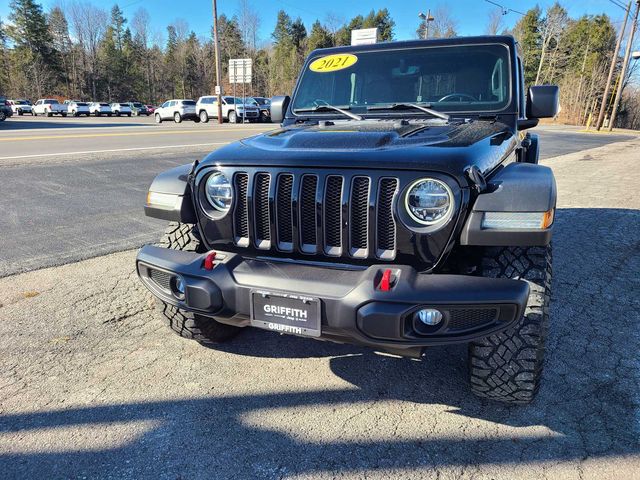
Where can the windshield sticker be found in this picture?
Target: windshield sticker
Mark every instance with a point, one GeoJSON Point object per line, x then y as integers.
{"type": "Point", "coordinates": [332, 63]}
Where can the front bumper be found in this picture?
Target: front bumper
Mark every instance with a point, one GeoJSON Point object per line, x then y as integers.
{"type": "Point", "coordinates": [353, 307]}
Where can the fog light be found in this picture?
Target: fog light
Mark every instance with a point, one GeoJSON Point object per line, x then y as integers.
{"type": "Point", "coordinates": [428, 316]}
{"type": "Point", "coordinates": [178, 287]}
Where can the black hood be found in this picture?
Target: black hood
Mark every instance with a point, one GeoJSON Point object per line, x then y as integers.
{"type": "Point", "coordinates": [381, 144]}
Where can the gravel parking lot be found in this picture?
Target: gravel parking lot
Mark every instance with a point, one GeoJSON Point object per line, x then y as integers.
{"type": "Point", "coordinates": [92, 386]}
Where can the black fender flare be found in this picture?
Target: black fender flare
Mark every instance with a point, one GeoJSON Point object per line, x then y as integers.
{"type": "Point", "coordinates": [517, 188]}
{"type": "Point", "coordinates": [171, 183]}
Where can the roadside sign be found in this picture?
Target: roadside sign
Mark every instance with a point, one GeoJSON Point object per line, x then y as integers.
{"type": "Point", "coordinates": [240, 70]}
{"type": "Point", "coordinates": [364, 36]}
{"type": "Point", "coordinates": [218, 90]}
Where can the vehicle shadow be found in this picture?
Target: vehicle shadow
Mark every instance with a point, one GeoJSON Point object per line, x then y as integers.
{"type": "Point", "coordinates": [587, 407]}
{"type": "Point", "coordinates": [23, 123]}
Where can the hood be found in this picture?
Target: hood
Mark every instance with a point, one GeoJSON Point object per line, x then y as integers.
{"type": "Point", "coordinates": [386, 144]}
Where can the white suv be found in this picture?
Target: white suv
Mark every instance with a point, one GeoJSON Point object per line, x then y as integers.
{"type": "Point", "coordinates": [233, 109]}
{"type": "Point", "coordinates": [177, 110]}
{"type": "Point", "coordinates": [121, 109]}
{"type": "Point", "coordinates": [97, 109]}
{"type": "Point", "coordinates": [20, 107]}
{"type": "Point", "coordinates": [78, 108]}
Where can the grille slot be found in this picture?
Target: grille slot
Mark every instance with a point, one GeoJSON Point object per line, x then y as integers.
{"type": "Point", "coordinates": [386, 225]}
{"type": "Point", "coordinates": [468, 318]}
{"type": "Point", "coordinates": [333, 216]}
{"type": "Point", "coordinates": [284, 211]}
{"type": "Point", "coordinates": [308, 234]}
{"type": "Point", "coordinates": [261, 210]}
{"type": "Point", "coordinates": [359, 217]}
{"type": "Point", "coordinates": [241, 214]}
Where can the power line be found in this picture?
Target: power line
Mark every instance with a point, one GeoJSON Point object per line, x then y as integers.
{"type": "Point", "coordinates": [505, 10]}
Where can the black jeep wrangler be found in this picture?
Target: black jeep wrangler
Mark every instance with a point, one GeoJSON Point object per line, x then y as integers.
{"type": "Point", "coordinates": [399, 206]}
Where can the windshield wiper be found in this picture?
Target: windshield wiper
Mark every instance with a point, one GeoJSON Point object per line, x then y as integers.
{"type": "Point", "coordinates": [404, 106]}
{"type": "Point", "coordinates": [325, 107]}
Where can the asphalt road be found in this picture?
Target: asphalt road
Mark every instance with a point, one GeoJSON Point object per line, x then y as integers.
{"type": "Point", "coordinates": [92, 386]}
{"type": "Point", "coordinates": [74, 188]}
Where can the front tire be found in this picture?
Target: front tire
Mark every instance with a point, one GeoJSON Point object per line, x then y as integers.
{"type": "Point", "coordinates": [233, 118]}
{"type": "Point", "coordinates": [177, 117]}
{"type": "Point", "coordinates": [204, 116]}
{"type": "Point", "coordinates": [205, 330]}
{"type": "Point", "coordinates": [507, 366]}
{"type": "Point", "coordinates": [158, 118]}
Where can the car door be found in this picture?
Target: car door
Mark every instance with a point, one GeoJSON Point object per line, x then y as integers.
{"type": "Point", "coordinates": [162, 110]}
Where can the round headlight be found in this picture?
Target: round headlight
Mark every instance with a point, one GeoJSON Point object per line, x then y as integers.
{"type": "Point", "coordinates": [218, 191]}
{"type": "Point", "coordinates": [428, 201]}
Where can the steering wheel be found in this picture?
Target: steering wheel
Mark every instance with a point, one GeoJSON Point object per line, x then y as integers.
{"type": "Point", "coordinates": [458, 95]}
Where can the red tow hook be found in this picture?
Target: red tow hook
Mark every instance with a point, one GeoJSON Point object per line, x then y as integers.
{"type": "Point", "coordinates": [209, 260]}
{"type": "Point", "coordinates": [385, 282]}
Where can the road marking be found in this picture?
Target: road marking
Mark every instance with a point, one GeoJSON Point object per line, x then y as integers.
{"type": "Point", "coordinates": [88, 152]}
{"type": "Point", "coordinates": [93, 135]}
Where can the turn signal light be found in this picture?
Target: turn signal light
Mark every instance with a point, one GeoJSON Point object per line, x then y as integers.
{"type": "Point", "coordinates": [547, 218]}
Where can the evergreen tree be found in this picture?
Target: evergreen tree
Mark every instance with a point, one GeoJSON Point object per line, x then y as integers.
{"type": "Point", "coordinates": [527, 32]}
{"type": "Point", "coordinates": [59, 30]}
{"type": "Point", "coordinates": [319, 37]}
{"type": "Point", "coordinates": [33, 51]}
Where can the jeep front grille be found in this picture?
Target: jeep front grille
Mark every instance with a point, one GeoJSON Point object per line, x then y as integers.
{"type": "Point", "coordinates": [337, 215]}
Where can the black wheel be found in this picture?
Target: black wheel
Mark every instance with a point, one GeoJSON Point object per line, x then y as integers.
{"type": "Point", "coordinates": [507, 366]}
{"type": "Point", "coordinates": [49, 113]}
{"type": "Point", "coordinates": [204, 116]}
{"type": "Point", "coordinates": [98, 114]}
{"type": "Point", "coordinates": [205, 330]}
{"type": "Point", "coordinates": [158, 118]}
{"type": "Point", "coordinates": [75, 114]}
{"type": "Point", "coordinates": [64, 114]}
{"type": "Point", "coordinates": [177, 117]}
{"type": "Point", "coordinates": [20, 112]}
{"type": "Point", "coordinates": [3, 116]}
{"type": "Point", "coordinates": [109, 114]}
{"type": "Point", "coordinates": [128, 114]}
{"type": "Point", "coordinates": [117, 114]}
{"type": "Point", "coordinates": [233, 118]}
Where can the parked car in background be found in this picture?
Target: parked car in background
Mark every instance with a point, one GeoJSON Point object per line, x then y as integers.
{"type": "Point", "coordinates": [49, 107]}
{"type": "Point", "coordinates": [178, 110]}
{"type": "Point", "coordinates": [264, 104]}
{"type": "Point", "coordinates": [233, 109]}
{"type": "Point", "coordinates": [121, 109]}
{"type": "Point", "coordinates": [5, 109]}
{"type": "Point", "coordinates": [78, 108]}
{"type": "Point", "coordinates": [21, 106]}
{"type": "Point", "coordinates": [138, 108]}
{"type": "Point", "coordinates": [150, 109]}
{"type": "Point", "coordinates": [100, 108]}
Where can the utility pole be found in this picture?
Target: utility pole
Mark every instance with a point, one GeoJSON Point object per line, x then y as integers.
{"type": "Point", "coordinates": [623, 73]}
{"type": "Point", "coordinates": [426, 19]}
{"type": "Point", "coordinates": [216, 49]}
{"type": "Point", "coordinates": [612, 69]}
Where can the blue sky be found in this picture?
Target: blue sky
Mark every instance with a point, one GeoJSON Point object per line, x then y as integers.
{"type": "Point", "coordinates": [471, 15]}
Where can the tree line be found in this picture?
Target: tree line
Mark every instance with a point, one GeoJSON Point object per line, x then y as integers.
{"type": "Point", "coordinates": [85, 52]}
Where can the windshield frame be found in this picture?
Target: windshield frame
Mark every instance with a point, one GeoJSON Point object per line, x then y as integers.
{"type": "Point", "coordinates": [508, 108]}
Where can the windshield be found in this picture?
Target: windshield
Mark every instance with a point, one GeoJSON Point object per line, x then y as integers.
{"type": "Point", "coordinates": [237, 100]}
{"type": "Point", "coordinates": [467, 78]}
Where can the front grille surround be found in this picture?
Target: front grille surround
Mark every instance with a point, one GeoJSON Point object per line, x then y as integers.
{"type": "Point", "coordinates": [298, 211]}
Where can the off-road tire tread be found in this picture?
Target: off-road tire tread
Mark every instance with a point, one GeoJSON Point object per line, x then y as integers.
{"type": "Point", "coordinates": [207, 331]}
{"type": "Point", "coordinates": [507, 366]}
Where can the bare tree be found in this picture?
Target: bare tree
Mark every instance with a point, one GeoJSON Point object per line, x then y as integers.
{"type": "Point", "coordinates": [333, 22]}
{"type": "Point", "coordinates": [442, 26]}
{"type": "Point", "coordinates": [140, 24]}
{"type": "Point", "coordinates": [249, 24]}
{"type": "Point", "coordinates": [553, 26]}
{"type": "Point", "coordinates": [495, 22]}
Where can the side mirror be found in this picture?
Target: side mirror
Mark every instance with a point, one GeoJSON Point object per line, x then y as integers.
{"type": "Point", "coordinates": [543, 101]}
{"type": "Point", "coordinates": [279, 107]}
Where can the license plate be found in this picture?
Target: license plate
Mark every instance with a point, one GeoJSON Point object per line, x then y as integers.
{"type": "Point", "coordinates": [286, 313]}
